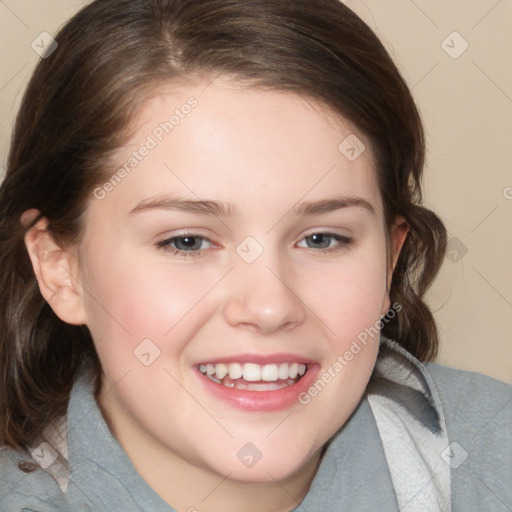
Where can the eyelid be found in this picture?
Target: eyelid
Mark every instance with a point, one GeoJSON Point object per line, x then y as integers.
{"type": "Point", "coordinates": [183, 233]}
{"type": "Point", "coordinates": [325, 231]}
{"type": "Point", "coordinates": [333, 230]}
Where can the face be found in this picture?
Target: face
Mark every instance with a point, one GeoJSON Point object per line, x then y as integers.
{"type": "Point", "coordinates": [227, 274]}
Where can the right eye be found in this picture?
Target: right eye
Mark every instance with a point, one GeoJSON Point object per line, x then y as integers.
{"type": "Point", "coordinates": [186, 245]}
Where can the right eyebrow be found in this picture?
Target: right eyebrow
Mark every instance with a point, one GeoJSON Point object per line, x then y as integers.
{"type": "Point", "coordinates": [214, 208]}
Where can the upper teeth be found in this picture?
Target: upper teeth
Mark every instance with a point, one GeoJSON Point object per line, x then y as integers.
{"type": "Point", "coordinates": [254, 372]}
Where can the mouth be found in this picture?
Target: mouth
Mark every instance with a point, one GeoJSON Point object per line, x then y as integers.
{"type": "Point", "coordinates": [256, 383]}
{"type": "Point", "coordinates": [254, 377]}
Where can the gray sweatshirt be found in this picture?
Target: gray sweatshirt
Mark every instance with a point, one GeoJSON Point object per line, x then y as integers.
{"type": "Point", "coordinates": [423, 438]}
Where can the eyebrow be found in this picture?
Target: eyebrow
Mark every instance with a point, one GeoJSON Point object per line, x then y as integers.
{"type": "Point", "coordinates": [330, 205]}
{"type": "Point", "coordinates": [222, 209]}
{"type": "Point", "coordinates": [215, 208]}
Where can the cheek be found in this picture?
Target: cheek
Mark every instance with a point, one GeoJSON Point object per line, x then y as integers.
{"type": "Point", "coordinates": [135, 300]}
{"type": "Point", "coordinates": [350, 308]}
{"type": "Point", "coordinates": [349, 300]}
{"type": "Point", "coordinates": [351, 296]}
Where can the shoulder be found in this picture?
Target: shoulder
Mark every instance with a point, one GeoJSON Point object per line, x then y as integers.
{"type": "Point", "coordinates": [25, 486]}
{"type": "Point", "coordinates": [472, 401]}
{"type": "Point", "coordinates": [478, 416]}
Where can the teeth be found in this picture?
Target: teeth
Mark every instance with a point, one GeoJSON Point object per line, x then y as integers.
{"type": "Point", "coordinates": [284, 371]}
{"type": "Point", "coordinates": [221, 370]}
{"type": "Point", "coordinates": [235, 371]}
{"type": "Point", "coordinates": [270, 373]}
{"type": "Point", "coordinates": [252, 372]}
{"type": "Point", "coordinates": [260, 386]}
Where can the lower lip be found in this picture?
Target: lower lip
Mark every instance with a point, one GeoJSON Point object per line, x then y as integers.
{"type": "Point", "coordinates": [261, 400]}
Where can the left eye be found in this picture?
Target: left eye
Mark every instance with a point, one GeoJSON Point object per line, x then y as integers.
{"type": "Point", "coordinates": [323, 241]}
{"type": "Point", "coordinates": [186, 243]}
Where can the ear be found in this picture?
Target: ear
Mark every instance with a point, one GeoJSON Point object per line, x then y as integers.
{"type": "Point", "coordinates": [55, 269]}
{"type": "Point", "coordinates": [398, 234]}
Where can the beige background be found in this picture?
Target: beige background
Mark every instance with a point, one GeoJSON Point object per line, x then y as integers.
{"type": "Point", "coordinates": [466, 102]}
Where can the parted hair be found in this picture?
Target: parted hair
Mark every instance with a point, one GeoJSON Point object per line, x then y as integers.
{"type": "Point", "coordinates": [75, 113]}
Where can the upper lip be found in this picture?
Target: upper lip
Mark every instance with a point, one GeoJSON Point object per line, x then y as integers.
{"type": "Point", "coordinates": [260, 359]}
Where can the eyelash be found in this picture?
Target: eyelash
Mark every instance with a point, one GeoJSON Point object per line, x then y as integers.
{"type": "Point", "coordinates": [342, 241]}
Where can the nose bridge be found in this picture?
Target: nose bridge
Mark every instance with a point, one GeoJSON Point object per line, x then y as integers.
{"type": "Point", "coordinates": [261, 295]}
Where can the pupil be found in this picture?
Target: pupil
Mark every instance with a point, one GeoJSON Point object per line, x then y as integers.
{"type": "Point", "coordinates": [188, 242]}
{"type": "Point", "coordinates": [320, 240]}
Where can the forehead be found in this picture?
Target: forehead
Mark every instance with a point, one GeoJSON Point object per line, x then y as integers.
{"type": "Point", "coordinates": [221, 140]}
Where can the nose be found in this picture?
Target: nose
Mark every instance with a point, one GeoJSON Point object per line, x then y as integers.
{"type": "Point", "coordinates": [262, 299]}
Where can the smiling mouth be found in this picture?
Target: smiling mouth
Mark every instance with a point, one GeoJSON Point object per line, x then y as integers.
{"type": "Point", "coordinates": [254, 377]}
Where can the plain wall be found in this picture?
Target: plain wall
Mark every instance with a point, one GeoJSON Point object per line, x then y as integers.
{"type": "Point", "coordinates": [465, 98]}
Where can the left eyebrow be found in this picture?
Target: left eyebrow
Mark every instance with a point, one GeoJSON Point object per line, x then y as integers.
{"type": "Point", "coordinates": [330, 205]}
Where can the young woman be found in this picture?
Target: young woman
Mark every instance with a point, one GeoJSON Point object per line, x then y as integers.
{"type": "Point", "coordinates": [214, 259]}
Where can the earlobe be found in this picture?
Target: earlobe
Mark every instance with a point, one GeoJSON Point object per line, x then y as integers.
{"type": "Point", "coordinates": [54, 270]}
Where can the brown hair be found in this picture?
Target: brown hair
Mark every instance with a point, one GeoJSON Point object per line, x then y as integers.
{"type": "Point", "coordinates": [74, 116]}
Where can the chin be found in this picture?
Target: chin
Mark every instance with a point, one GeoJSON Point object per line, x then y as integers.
{"type": "Point", "coordinates": [274, 466]}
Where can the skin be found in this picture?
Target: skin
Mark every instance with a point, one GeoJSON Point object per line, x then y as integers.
{"type": "Point", "coordinates": [263, 152]}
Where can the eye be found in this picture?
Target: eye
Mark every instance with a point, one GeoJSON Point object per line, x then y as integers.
{"type": "Point", "coordinates": [326, 242]}
{"type": "Point", "coordinates": [186, 245]}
